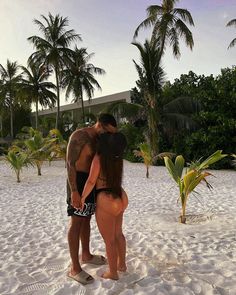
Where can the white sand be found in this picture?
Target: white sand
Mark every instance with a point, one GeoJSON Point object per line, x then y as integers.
{"type": "Point", "coordinates": [163, 256]}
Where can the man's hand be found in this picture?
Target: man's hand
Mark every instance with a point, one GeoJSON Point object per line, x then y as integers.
{"type": "Point", "coordinates": [75, 200]}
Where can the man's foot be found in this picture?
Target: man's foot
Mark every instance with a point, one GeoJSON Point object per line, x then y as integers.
{"type": "Point", "coordinates": [82, 277]}
{"type": "Point", "coordinates": [96, 260]}
{"type": "Point", "coordinates": [109, 275]}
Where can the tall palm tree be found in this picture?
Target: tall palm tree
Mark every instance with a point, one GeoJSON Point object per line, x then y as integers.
{"type": "Point", "coordinates": [10, 82]}
{"type": "Point", "coordinates": [169, 25]}
{"type": "Point", "coordinates": [229, 24]}
{"type": "Point", "coordinates": [36, 87]}
{"type": "Point", "coordinates": [78, 77]}
{"type": "Point", "coordinates": [53, 47]}
{"type": "Point", "coordinates": [151, 79]}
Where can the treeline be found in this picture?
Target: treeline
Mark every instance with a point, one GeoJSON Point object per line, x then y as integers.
{"type": "Point", "coordinates": [197, 116]}
{"type": "Point", "coordinates": [56, 55]}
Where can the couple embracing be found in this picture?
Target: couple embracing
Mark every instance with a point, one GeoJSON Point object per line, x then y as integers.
{"type": "Point", "coordinates": [94, 167]}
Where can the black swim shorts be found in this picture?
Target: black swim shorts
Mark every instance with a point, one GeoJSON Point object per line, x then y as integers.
{"type": "Point", "coordinates": [90, 203]}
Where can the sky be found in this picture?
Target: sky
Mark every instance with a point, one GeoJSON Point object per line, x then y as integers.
{"type": "Point", "coordinates": [107, 29]}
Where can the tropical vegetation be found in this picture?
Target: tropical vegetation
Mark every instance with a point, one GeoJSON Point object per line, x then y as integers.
{"type": "Point", "coordinates": [32, 148]}
{"type": "Point", "coordinates": [168, 26]}
{"type": "Point", "coordinates": [145, 153]}
{"type": "Point", "coordinates": [52, 48]}
{"type": "Point", "coordinates": [9, 85]}
{"type": "Point", "coordinates": [193, 175]}
{"type": "Point", "coordinates": [17, 159]}
{"type": "Point", "coordinates": [34, 86]}
{"type": "Point", "coordinates": [78, 76]}
{"type": "Point", "coordinates": [192, 116]}
{"type": "Point", "coordinates": [231, 23]}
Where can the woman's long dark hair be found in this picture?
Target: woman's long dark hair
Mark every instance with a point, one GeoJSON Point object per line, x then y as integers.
{"type": "Point", "coordinates": [111, 148]}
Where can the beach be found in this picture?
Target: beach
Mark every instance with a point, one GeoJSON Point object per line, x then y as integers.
{"type": "Point", "coordinates": [164, 257]}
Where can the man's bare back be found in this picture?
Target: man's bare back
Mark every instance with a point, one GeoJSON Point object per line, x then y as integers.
{"type": "Point", "coordinates": [80, 153]}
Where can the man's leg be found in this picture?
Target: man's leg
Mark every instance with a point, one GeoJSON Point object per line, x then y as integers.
{"type": "Point", "coordinates": [85, 238]}
{"type": "Point", "coordinates": [73, 241]}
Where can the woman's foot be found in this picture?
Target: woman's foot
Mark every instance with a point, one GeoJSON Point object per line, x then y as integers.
{"type": "Point", "coordinates": [95, 259]}
{"type": "Point", "coordinates": [109, 275]}
{"type": "Point", "coordinates": [122, 268]}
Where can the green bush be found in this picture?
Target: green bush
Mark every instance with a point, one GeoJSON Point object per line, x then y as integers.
{"type": "Point", "coordinates": [134, 136]}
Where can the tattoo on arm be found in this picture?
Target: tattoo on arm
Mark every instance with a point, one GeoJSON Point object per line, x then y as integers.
{"type": "Point", "coordinates": [74, 149]}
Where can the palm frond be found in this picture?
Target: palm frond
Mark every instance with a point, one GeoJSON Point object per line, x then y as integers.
{"type": "Point", "coordinates": [231, 23]}
{"type": "Point", "coordinates": [232, 43]}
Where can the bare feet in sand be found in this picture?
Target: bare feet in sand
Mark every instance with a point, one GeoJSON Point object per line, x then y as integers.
{"type": "Point", "coordinates": [122, 268]}
{"type": "Point", "coordinates": [109, 275]}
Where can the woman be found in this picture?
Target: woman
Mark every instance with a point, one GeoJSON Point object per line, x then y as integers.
{"type": "Point", "coordinates": [106, 175]}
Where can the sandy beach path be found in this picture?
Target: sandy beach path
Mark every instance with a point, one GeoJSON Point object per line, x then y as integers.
{"type": "Point", "coordinates": [163, 256]}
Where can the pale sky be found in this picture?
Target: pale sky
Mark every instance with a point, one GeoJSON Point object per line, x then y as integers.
{"type": "Point", "coordinates": [107, 28]}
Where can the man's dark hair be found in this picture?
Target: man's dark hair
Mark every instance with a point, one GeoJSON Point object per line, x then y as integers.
{"type": "Point", "coordinates": [107, 119]}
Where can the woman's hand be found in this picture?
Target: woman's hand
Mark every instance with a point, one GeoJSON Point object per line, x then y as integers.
{"type": "Point", "coordinates": [82, 201]}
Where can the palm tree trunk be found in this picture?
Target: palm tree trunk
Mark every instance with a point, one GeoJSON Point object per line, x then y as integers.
{"type": "Point", "coordinates": [58, 97]}
{"type": "Point", "coordinates": [18, 176]}
{"type": "Point", "coordinates": [38, 168]}
{"type": "Point", "coordinates": [183, 216]}
{"type": "Point", "coordinates": [1, 126]}
{"type": "Point", "coordinates": [153, 129]}
{"type": "Point", "coordinates": [82, 104]}
{"type": "Point", "coordinates": [12, 124]}
{"type": "Point", "coordinates": [37, 115]}
{"type": "Point", "coordinates": [147, 172]}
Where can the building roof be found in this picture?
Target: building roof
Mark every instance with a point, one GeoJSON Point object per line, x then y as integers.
{"type": "Point", "coordinates": [125, 95]}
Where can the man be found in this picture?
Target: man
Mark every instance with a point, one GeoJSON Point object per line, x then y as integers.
{"type": "Point", "coordinates": [80, 152]}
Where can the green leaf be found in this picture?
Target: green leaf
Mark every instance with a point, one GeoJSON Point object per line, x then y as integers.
{"type": "Point", "coordinates": [211, 159]}
{"type": "Point", "coordinates": [171, 168]}
{"type": "Point", "coordinates": [189, 178]}
{"type": "Point", "coordinates": [179, 165]}
{"type": "Point", "coordinates": [196, 181]}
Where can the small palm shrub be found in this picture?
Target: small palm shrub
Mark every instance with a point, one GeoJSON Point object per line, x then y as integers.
{"type": "Point", "coordinates": [194, 175]}
{"type": "Point", "coordinates": [145, 153]}
{"type": "Point", "coordinates": [17, 159]}
{"type": "Point", "coordinates": [36, 148]}
{"type": "Point", "coordinates": [56, 145]}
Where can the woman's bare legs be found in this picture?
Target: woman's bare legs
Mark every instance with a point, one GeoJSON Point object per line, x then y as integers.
{"type": "Point", "coordinates": [120, 244]}
{"type": "Point", "coordinates": [109, 216]}
{"type": "Point", "coordinates": [106, 226]}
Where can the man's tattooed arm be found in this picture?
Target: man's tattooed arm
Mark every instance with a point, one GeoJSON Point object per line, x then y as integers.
{"type": "Point", "coordinates": [75, 146]}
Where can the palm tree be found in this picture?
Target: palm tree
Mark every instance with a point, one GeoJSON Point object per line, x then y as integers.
{"type": "Point", "coordinates": [53, 47]}
{"type": "Point", "coordinates": [36, 87]}
{"type": "Point", "coordinates": [78, 77]}
{"type": "Point", "coordinates": [121, 109]}
{"type": "Point", "coordinates": [145, 153]}
{"type": "Point", "coordinates": [229, 24]}
{"type": "Point", "coordinates": [36, 148]}
{"type": "Point", "coordinates": [175, 113]}
{"type": "Point", "coordinates": [194, 174]}
{"type": "Point", "coordinates": [151, 79]}
{"type": "Point", "coordinates": [169, 25]}
{"type": "Point", "coordinates": [17, 159]}
{"type": "Point", "coordinates": [10, 82]}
